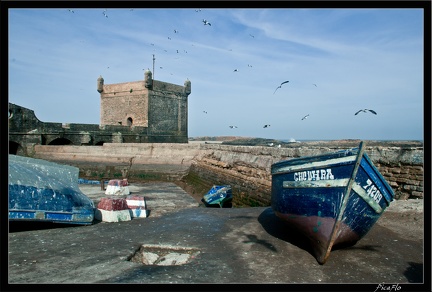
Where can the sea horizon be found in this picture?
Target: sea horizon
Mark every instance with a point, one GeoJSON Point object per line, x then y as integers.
{"type": "Point", "coordinates": [287, 140]}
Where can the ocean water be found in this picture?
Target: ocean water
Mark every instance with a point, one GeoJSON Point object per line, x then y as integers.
{"type": "Point", "coordinates": [315, 140]}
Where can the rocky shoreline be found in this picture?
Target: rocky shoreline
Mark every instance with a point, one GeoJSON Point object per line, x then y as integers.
{"type": "Point", "coordinates": [249, 141]}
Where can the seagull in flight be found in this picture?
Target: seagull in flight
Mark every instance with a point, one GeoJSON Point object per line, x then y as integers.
{"type": "Point", "coordinates": [305, 117]}
{"type": "Point", "coordinates": [104, 13]}
{"type": "Point", "coordinates": [232, 127]}
{"type": "Point", "coordinates": [280, 86]}
{"type": "Point", "coordinates": [206, 22]}
{"type": "Point", "coordinates": [365, 111]}
{"type": "Point", "coordinates": [266, 126]}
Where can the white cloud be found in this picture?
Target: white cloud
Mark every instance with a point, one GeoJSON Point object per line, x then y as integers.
{"type": "Point", "coordinates": [356, 57]}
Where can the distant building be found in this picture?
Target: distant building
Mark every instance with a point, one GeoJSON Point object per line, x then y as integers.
{"type": "Point", "coordinates": [147, 111]}
{"type": "Point", "coordinates": [160, 106]}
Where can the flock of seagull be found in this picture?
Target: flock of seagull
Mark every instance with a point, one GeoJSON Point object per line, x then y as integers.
{"type": "Point", "coordinates": [206, 22]}
{"type": "Point", "coordinates": [306, 116]}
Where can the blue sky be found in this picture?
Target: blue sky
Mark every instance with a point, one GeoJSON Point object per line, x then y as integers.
{"type": "Point", "coordinates": [357, 58]}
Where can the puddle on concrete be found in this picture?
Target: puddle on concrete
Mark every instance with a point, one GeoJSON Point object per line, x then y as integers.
{"type": "Point", "coordinates": [161, 255]}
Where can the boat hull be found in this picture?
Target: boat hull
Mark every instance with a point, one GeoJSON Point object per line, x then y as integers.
{"type": "Point", "coordinates": [40, 190]}
{"type": "Point", "coordinates": [332, 199]}
{"type": "Point", "coordinates": [219, 196]}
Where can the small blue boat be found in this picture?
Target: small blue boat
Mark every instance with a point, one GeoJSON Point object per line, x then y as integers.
{"type": "Point", "coordinates": [333, 199]}
{"type": "Point", "coordinates": [45, 191]}
{"type": "Point", "coordinates": [218, 196]}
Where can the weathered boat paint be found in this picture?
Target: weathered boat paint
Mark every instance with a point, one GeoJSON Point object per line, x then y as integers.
{"type": "Point", "coordinates": [333, 199]}
{"type": "Point", "coordinates": [218, 196]}
{"type": "Point", "coordinates": [40, 190]}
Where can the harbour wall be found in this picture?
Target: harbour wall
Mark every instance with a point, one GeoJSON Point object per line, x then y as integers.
{"type": "Point", "coordinates": [245, 168]}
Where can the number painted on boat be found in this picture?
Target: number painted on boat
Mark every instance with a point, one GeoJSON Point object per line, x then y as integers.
{"type": "Point", "coordinates": [372, 191]}
{"type": "Point", "coordinates": [318, 174]}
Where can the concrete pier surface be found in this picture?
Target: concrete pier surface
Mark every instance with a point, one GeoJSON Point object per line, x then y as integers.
{"type": "Point", "coordinates": [182, 242]}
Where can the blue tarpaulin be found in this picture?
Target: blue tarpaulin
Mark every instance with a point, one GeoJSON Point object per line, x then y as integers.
{"type": "Point", "coordinates": [46, 191]}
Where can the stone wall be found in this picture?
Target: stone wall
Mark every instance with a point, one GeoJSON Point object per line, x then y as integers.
{"type": "Point", "coordinates": [161, 107]}
{"type": "Point", "coordinates": [168, 107]}
{"type": "Point", "coordinates": [125, 104]}
{"type": "Point", "coordinates": [246, 168]}
{"type": "Point", "coordinates": [406, 180]}
{"type": "Point", "coordinates": [136, 161]}
{"type": "Point", "coordinates": [26, 130]}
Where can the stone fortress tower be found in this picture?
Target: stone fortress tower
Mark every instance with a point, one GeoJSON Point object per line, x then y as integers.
{"type": "Point", "coordinates": [159, 107]}
{"type": "Point", "coordinates": [147, 111]}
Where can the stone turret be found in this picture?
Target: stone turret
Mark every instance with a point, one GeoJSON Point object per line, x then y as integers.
{"type": "Point", "coordinates": [187, 87]}
{"type": "Point", "coordinates": [100, 83]}
{"type": "Point", "coordinates": [148, 80]}
{"type": "Point", "coordinates": [155, 109]}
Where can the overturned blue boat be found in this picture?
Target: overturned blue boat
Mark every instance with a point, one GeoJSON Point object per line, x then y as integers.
{"type": "Point", "coordinates": [218, 196]}
{"type": "Point", "coordinates": [333, 199]}
{"type": "Point", "coordinates": [40, 190]}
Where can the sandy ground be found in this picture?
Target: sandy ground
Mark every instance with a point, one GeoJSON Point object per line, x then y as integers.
{"type": "Point", "coordinates": [238, 245]}
{"type": "Point", "coordinates": [412, 225]}
{"type": "Point", "coordinates": [412, 212]}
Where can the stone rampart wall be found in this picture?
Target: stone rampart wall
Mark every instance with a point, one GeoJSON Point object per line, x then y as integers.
{"type": "Point", "coordinates": [136, 161]}
{"type": "Point", "coordinates": [246, 168]}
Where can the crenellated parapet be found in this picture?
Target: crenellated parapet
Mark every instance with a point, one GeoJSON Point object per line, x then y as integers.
{"type": "Point", "coordinates": [26, 131]}
{"type": "Point", "coordinates": [159, 106]}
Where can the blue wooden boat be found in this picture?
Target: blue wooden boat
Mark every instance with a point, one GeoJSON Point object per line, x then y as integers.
{"type": "Point", "coordinates": [45, 191]}
{"type": "Point", "coordinates": [218, 196]}
{"type": "Point", "coordinates": [333, 199]}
